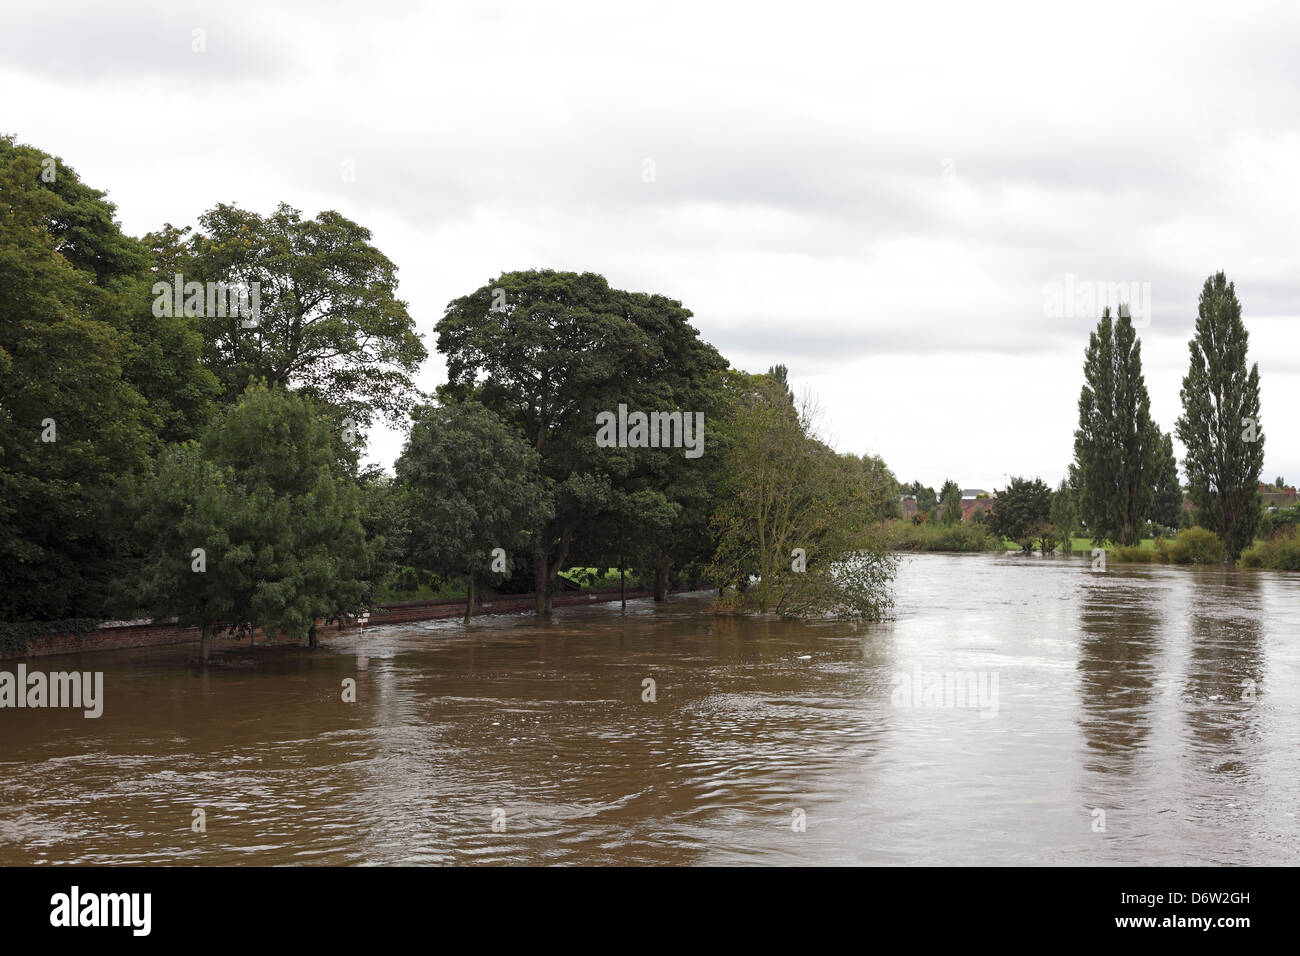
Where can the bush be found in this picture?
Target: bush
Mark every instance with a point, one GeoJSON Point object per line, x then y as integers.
{"type": "Point", "coordinates": [905, 536]}
{"type": "Point", "coordinates": [1280, 553]}
{"type": "Point", "coordinates": [1195, 546]}
{"type": "Point", "coordinates": [1273, 523]}
{"type": "Point", "coordinates": [854, 588]}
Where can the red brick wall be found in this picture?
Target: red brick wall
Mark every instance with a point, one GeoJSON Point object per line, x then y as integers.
{"type": "Point", "coordinates": [150, 635]}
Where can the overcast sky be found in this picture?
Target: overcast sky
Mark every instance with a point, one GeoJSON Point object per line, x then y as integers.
{"type": "Point", "coordinates": [880, 198]}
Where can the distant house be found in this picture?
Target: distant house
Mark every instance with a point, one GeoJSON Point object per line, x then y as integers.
{"type": "Point", "coordinates": [973, 501]}
{"type": "Point", "coordinates": [1275, 500]}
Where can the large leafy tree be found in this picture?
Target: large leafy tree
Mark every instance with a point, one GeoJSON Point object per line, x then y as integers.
{"type": "Point", "coordinates": [72, 423]}
{"type": "Point", "coordinates": [90, 384]}
{"type": "Point", "coordinates": [268, 499]}
{"type": "Point", "coordinates": [1023, 511]}
{"type": "Point", "coordinates": [330, 323]}
{"type": "Point", "coordinates": [548, 351]}
{"type": "Point", "coordinates": [658, 517]}
{"type": "Point", "coordinates": [1220, 425]}
{"type": "Point", "coordinates": [470, 485]}
{"type": "Point", "coordinates": [1117, 445]}
{"type": "Point", "coordinates": [880, 486]}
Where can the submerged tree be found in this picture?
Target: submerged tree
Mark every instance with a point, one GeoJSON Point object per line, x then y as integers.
{"type": "Point", "coordinates": [550, 351]}
{"type": "Point", "coordinates": [794, 515]}
{"type": "Point", "coordinates": [1220, 426]}
{"type": "Point", "coordinates": [1065, 513]}
{"type": "Point", "coordinates": [260, 525]}
{"type": "Point", "coordinates": [1023, 512]}
{"type": "Point", "coordinates": [471, 487]}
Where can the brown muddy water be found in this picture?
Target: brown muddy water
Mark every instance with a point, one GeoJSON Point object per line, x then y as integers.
{"type": "Point", "coordinates": [1146, 715]}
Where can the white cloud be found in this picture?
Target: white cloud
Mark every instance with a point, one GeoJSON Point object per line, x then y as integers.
{"type": "Point", "coordinates": [874, 196]}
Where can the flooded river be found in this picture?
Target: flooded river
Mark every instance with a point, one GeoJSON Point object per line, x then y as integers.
{"type": "Point", "coordinates": [1016, 711]}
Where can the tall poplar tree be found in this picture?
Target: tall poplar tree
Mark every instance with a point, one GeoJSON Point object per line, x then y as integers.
{"type": "Point", "coordinates": [1220, 425]}
{"type": "Point", "coordinates": [1116, 446]}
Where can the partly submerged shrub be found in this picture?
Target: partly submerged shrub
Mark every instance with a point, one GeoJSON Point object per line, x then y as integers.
{"type": "Point", "coordinates": [1280, 553]}
{"type": "Point", "coordinates": [1196, 546]}
{"type": "Point", "coordinates": [906, 536]}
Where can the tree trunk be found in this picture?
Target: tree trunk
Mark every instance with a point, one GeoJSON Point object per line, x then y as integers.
{"type": "Point", "coordinates": [661, 578]}
{"type": "Point", "coordinates": [547, 569]}
{"type": "Point", "coordinates": [469, 597]}
{"type": "Point", "coordinates": [205, 641]}
{"type": "Point", "coordinates": [540, 580]}
{"type": "Point", "coordinates": [311, 635]}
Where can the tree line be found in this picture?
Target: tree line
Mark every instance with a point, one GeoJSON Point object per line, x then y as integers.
{"type": "Point", "coordinates": [161, 457]}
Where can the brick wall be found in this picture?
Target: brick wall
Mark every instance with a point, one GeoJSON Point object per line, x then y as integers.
{"type": "Point", "coordinates": [151, 635]}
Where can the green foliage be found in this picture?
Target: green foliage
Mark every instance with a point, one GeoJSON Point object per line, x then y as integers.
{"type": "Point", "coordinates": [1041, 532]}
{"type": "Point", "coordinates": [950, 501]}
{"type": "Point", "coordinates": [331, 324]}
{"type": "Point", "coordinates": [1271, 523]}
{"type": "Point", "coordinates": [268, 497]}
{"type": "Point", "coordinates": [1116, 445]}
{"type": "Point", "coordinates": [1189, 546]}
{"type": "Point", "coordinates": [973, 536]}
{"type": "Point", "coordinates": [1022, 512]}
{"type": "Point", "coordinates": [880, 487]}
{"type": "Point", "coordinates": [926, 499]}
{"type": "Point", "coordinates": [1167, 502]}
{"type": "Point", "coordinates": [1280, 552]}
{"type": "Point", "coordinates": [1135, 554]}
{"type": "Point", "coordinates": [385, 519]}
{"type": "Point", "coordinates": [548, 351]}
{"type": "Point", "coordinates": [470, 486]}
{"type": "Point", "coordinates": [781, 489]}
{"type": "Point", "coordinates": [1220, 425]}
{"type": "Point", "coordinates": [1064, 513]}
{"type": "Point", "coordinates": [853, 587]}
{"type": "Point", "coordinates": [64, 363]}
{"type": "Point", "coordinates": [1194, 546]}
{"type": "Point", "coordinates": [781, 375]}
